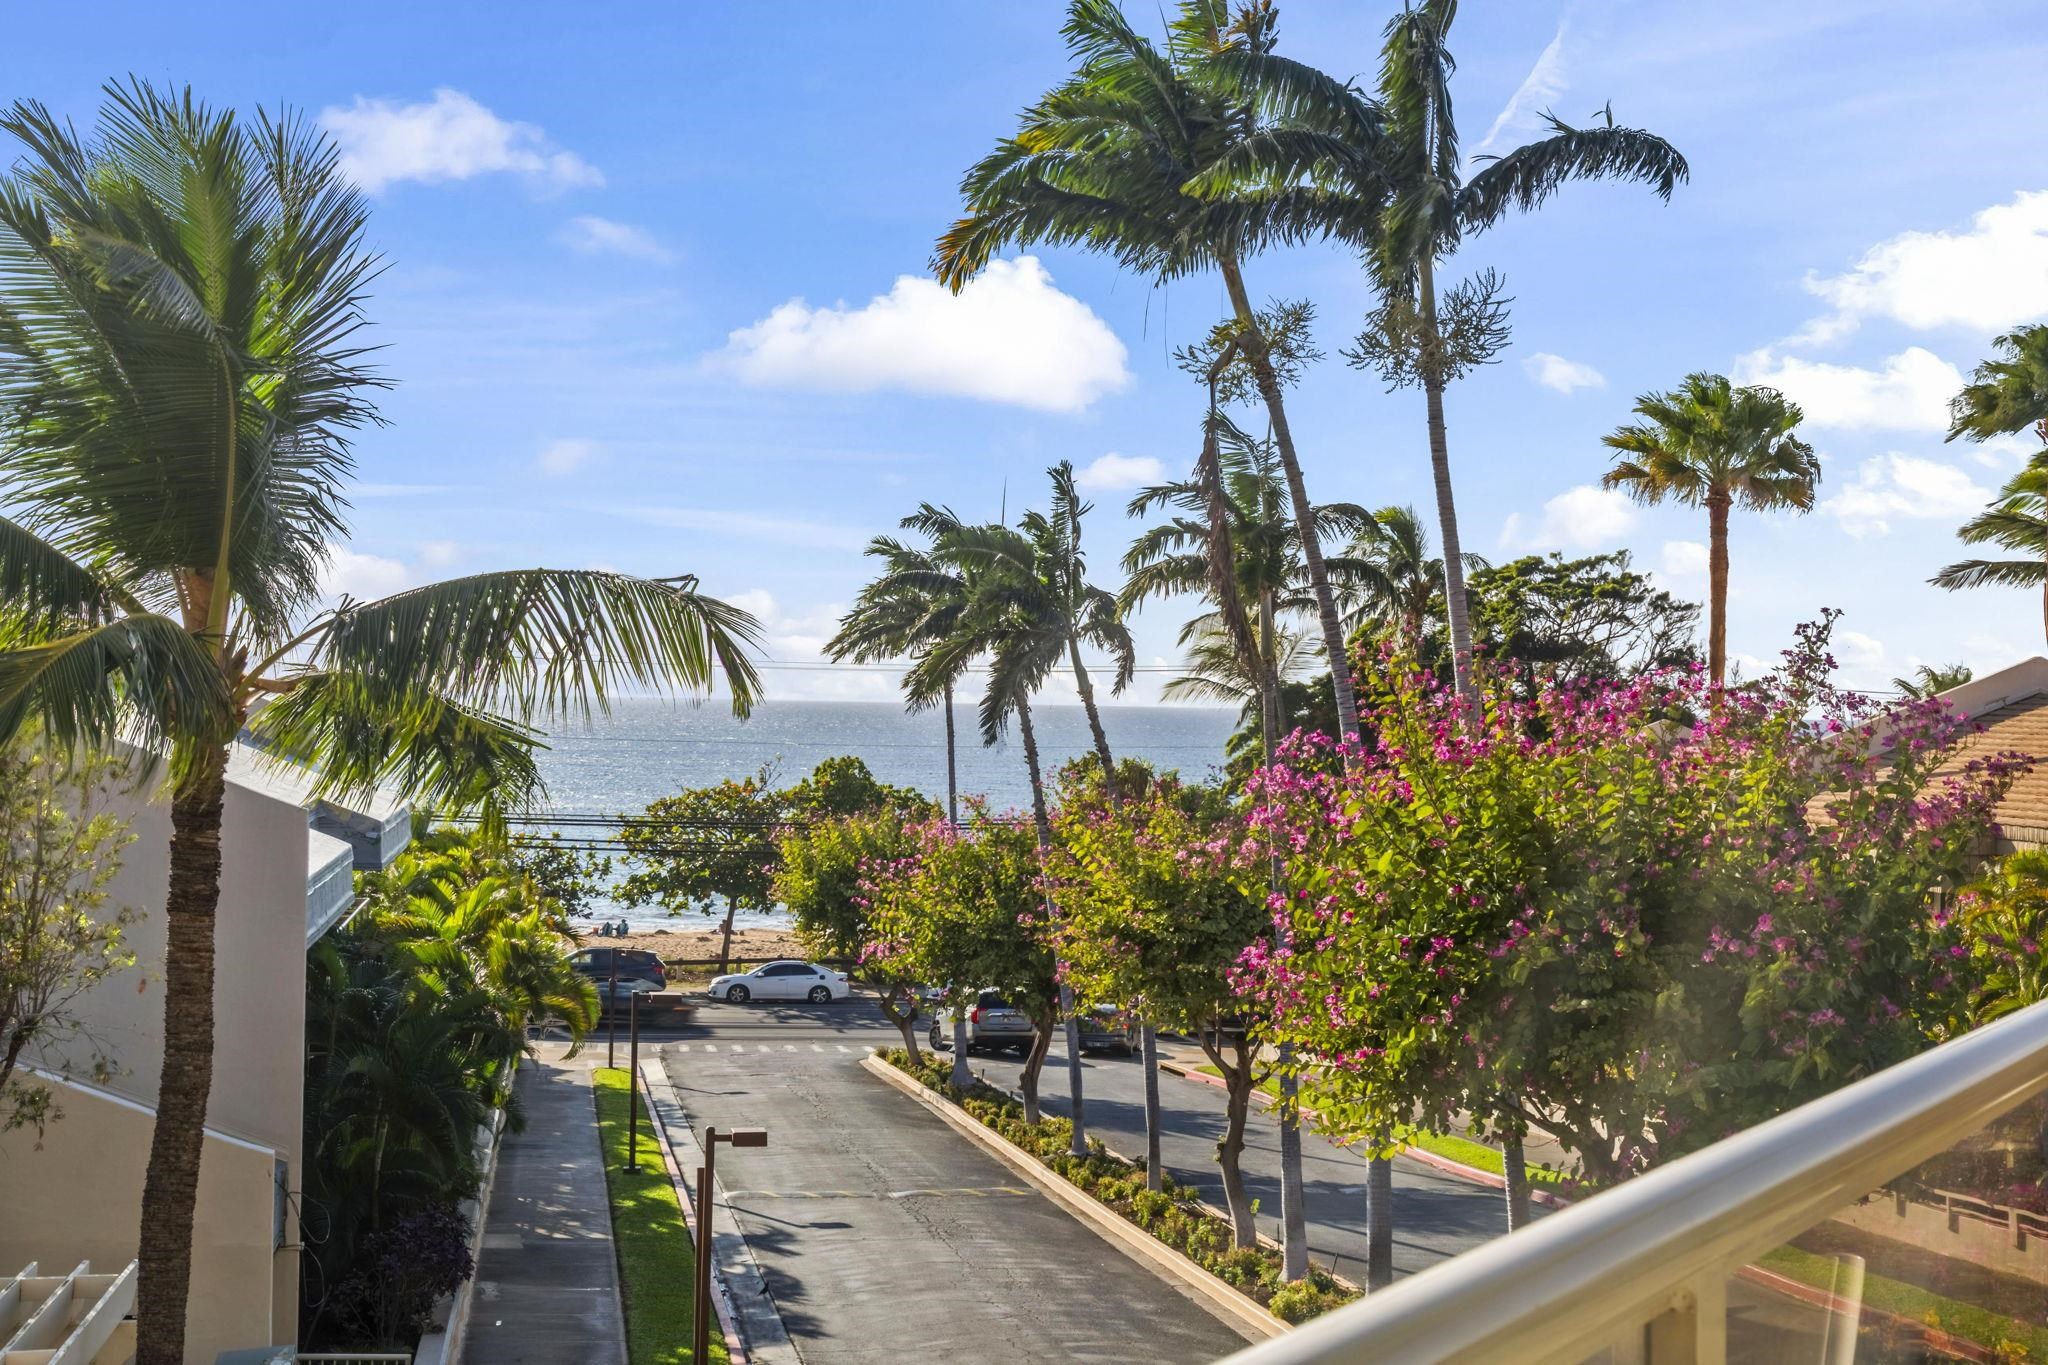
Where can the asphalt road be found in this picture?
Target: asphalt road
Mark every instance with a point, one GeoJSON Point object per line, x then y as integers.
{"type": "Point", "coordinates": [1436, 1216]}
{"type": "Point", "coordinates": [881, 1233]}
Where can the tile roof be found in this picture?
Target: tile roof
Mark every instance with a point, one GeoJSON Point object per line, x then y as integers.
{"type": "Point", "coordinates": [2019, 724]}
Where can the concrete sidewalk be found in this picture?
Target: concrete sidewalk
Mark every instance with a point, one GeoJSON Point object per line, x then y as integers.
{"type": "Point", "coordinates": [547, 1285]}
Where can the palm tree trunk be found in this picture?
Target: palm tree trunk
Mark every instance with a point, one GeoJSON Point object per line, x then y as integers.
{"type": "Point", "coordinates": [170, 1189]}
{"type": "Point", "coordinates": [1515, 1169]}
{"type": "Point", "coordinates": [1043, 822]}
{"type": "Point", "coordinates": [1293, 1216]}
{"type": "Point", "coordinates": [1148, 1049]}
{"type": "Point", "coordinates": [1457, 608]}
{"type": "Point", "coordinates": [1086, 688]}
{"type": "Point", "coordinates": [1717, 587]}
{"type": "Point", "coordinates": [1297, 491]}
{"type": "Point", "coordinates": [952, 768]}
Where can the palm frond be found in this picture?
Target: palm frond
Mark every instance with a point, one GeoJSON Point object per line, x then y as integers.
{"type": "Point", "coordinates": [141, 678]}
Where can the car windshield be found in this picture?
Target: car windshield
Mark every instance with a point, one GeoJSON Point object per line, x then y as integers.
{"type": "Point", "coordinates": [989, 1000]}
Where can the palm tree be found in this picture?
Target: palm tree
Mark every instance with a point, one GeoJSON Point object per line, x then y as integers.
{"type": "Point", "coordinates": [180, 372]}
{"type": "Point", "coordinates": [1385, 175]}
{"type": "Point", "coordinates": [1264, 548]}
{"type": "Point", "coordinates": [2018, 521]}
{"type": "Point", "coordinates": [2009, 394]}
{"type": "Point", "coordinates": [1929, 681]}
{"type": "Point", "coordinates": [1103, 162]}
{"type": "Point", "coordinates": [1396, 587]}
{"type": "Point", "coordinates": [1214, 671]}
{"type": "Point", "coordinates": [1707, 443]}
{"type": "Point", "coordinates": [911, 605]}
{"type": "Point", "coordinates": [1031, 610]}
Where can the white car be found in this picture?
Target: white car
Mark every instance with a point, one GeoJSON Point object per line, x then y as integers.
{"type": "Point", "coordinates": [782, 981]}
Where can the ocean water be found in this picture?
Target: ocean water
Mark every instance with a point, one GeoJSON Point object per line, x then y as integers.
{"type": "Point", "coordinates": [647, 748]}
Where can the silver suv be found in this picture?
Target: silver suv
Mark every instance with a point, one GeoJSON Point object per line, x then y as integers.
{"type": "Point", "coordinates": [992, 1022]}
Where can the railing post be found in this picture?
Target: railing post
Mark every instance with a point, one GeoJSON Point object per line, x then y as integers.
{"type": "Point", "coordinates": [1694, 1329]}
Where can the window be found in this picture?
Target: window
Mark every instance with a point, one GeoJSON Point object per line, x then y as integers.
{"type": "Point", "coordinates": [786, 969]}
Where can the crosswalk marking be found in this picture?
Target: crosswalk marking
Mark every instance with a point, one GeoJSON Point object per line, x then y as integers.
{"type": "Point", "coordinates": [789, 1047]}
{"type": "Point", "coordinates": [842, 1047]}
{"type": "Point", "coordinates": [816, 1048]}
{"type": "Point", "coordinates": [682, 1047]}
{"type": "Point", "coordinates": [711, 1047]}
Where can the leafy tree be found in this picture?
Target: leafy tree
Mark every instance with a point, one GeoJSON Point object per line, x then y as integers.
{"type": "Point", "coordinates": [1709, 444]}
{"type": "Point", "coordinates": [1158, 898]}
{"type": "Point", "coordinates": [59, 848]}
{"type": "Point", "coordinates": [181, 369]}
{"type": "Point", "coordinates": [2009, 394]}
{"type": "Point", "coordinates": [2018, 521]}
{"type": "Point", "coordinates": [910, 607]}
{"type": "Point", "coordinates": [1580, 620]}
{"type": "Point", "coordinates": [1384, 174]}
{"type": "Point", "coordinates": [2001, 922]}
{"type": "Point", "coordinates": [570, 877]}
{"type": "Point", "coordinates": [1640, 935]}
{"type": "Point", "coordinates": [964, 913]}
{"type": "Point", "coordinates": [1931, 681]}
{"type": "Point", "coordinates": [1105, 161]}
{"type": "Point", "coordinates": [844, 786]}
{"type": "Point", "coordinates": [708, 844]}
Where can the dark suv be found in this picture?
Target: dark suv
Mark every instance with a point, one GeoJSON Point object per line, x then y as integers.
{"type": "Point", "coordinates": [632, 964]}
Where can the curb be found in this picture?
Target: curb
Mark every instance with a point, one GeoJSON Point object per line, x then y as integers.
{"type": "Point", "coordinates": [1242, 1313]}
{"type": "Point", "coordinates": [774, 1345]}
{"type": "Point", "coordinates": [1428, 1158]}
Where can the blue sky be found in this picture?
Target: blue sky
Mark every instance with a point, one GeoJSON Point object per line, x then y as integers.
{"type": "Point", "coordinates": [657, 300]}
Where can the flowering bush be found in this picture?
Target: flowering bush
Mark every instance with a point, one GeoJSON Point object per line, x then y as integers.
{"type": "Point", "coordinates": [1642, 914]}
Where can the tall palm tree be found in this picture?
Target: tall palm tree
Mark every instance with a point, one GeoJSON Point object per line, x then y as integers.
{"type": "Point", "coordinates": [2008, 394]}
{"type": "Point", "coordinates": [1265, 551]}
{"type": "Point", "coordinates": [1710, 444]}
{"type": "Point", "coordinates": [180, 372]}
{"type": "Point", "coordinates": [1103, 160]}
{"type": "Point", "coordinates": [911, 605]}
{"type": "Point", "coordinates": [1395, 589]}
{"type": "Point", "coordinates": [1931, 681]}
{"type": "Point", "coordinates": [2018, 521]}
{"type": "Point", "coordinates": [1385, 175]}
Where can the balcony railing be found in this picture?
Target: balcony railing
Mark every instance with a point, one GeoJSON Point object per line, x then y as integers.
{"type": "Point", "coordinates": [1894, 1220]}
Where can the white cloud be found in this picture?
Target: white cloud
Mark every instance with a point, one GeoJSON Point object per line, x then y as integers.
{"type": "Point", "coordinates": [1896, 486]}
{"type": "Point", "coordinates": [1008, 337]}
{"type": "Point", "coordinates": [1113, 471]}
{"type": "Point", "coordinates": [439, 554]}
{"type": "Point", "coordinates": [1911, 392]}
{"type": "Point", "coordinates": [1683, 559]}
{"type": "Point", "coordinates": [450, 137]}
{"type": "Point", "coordinates": [1555, 372]}
{"type": "Point", "coordinates": [1853, 649]}
{"type": "Point", "coordinates": [1986, 277]}
{"type": "Point", "coordinates": [363, 577]}
{"type": "Point", "coordinates": [566, 457]}
{"type": "Point", "coordinates": [1582, 518]}
{"type": "Point", "coordinates": [798, 637]}
{"type": "Point", "coordinates": [595, 236]}
{"type": "Point", "coordinates": [1544, 83]}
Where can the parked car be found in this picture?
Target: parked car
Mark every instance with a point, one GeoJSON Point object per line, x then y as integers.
{"type": "Point", "coordinates": [992, 1022]}
{"type": "Point", "coordinates": [633, 964]}
{"type": "Point", "coordinates": [782, 981]}
{"type": "Point", "coordinates": [1109, 1027]}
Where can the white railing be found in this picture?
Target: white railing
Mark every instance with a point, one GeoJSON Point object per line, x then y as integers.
{"type": "Point", "coordinates": [1641, 1272]}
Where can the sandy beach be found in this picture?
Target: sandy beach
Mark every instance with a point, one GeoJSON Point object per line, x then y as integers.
{"type": "Point", "coordinates": [752, 945]}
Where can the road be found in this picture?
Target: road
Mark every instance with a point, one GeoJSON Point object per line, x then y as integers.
{"type": "Point", "coordinates": [881, 1232]}
{"type": "Point", "coordinates": [1436, 1216]}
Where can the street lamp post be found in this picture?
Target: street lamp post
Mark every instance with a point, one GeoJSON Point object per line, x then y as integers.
{"type": "Point", "coordinates": [611, 1009]}
{"type": "Point", "coordinates": [633, 1088]}
{"type": "Point", "coordinates": [739, 1137]}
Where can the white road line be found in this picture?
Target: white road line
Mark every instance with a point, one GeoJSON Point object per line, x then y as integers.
{"type": "Point", "coordinates": [816, 1048]}
{"type": "Point", "coordinates": [789, 1047]}
{"type": "Point", "coordinates": [682, 1047]}
{"type": "Point", "coordinates": [842, 1047]}
{"type": "Point", "coordinates": [711, 1047]}
{"type": "Point", "coordinates": [737, 1047]}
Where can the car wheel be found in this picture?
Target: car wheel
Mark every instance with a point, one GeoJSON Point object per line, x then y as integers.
{"type": "Point", "coordinates": [739, 995]}
{"type": "Point", "coordinates": [938, 1039]}
{"type": "Point", "coordinates": [820, 994]}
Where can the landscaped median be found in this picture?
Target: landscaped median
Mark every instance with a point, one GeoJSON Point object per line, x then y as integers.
{"type": "Point", "coordinates": [1173, 1218]}
{"type": "Point", "coordinates": [657, 1267]}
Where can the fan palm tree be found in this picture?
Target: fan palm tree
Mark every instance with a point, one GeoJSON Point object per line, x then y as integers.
{"type": "Point", "coordinates": [1709, 444]}
{"type": "Point", "coordinates": [1929, 681]}
{"type": "Point", "coordinates": [911, 605]}
{"type": "Point", "coordinates": [1385, 175]}
{"type": "Point", "coordinates": [2018, 522]}
{"type": "Point", "coordinates": [180, 372]}
{"type": "Point", "coordinates": [1103, 160]}
{"type": "Point", "coordinates": [2009, 394]}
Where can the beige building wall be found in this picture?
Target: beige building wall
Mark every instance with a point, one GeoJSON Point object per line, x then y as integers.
{"type": "Point", "coordinates": [80, 1195]}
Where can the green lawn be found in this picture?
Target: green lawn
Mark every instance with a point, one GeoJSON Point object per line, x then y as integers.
{"type": "Point", "coordinates": [1915, 1304]}
{"type": "Point", "coordinates": [1474, 1154]}
{"type": "Point", "coordinates": [657, 1270]}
